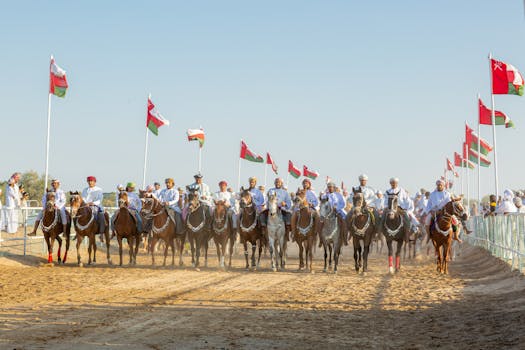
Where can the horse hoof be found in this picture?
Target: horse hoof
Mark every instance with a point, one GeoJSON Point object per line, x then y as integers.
{"type": "Point", "coordinates": [364, 274]}
{"type": "Point", "coordinates": [397, 270]}
{"type": "Point", "coordinates": [324, 270]}
{"type": "Point", "coordinates": [197, 269]}
{"type": "Point", "coordinates": [312, 272]}
{"type": "Point", "coordinates": [192, 264]}
{"type": "Point", "coordinates": [110, 262]}
{"type": "Point", "coordinates": [274, 269]}
{"type": "Point", "coordinates": [391, 269]}
{"type": "Point", "coordinates": [80, 265]}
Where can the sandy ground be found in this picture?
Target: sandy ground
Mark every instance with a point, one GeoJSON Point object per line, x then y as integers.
{"type": "Point", "coordinates": [480, 305]}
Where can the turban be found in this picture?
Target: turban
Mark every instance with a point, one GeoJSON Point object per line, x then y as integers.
{"type": "Point", "coordinates": [223, 183]}
{"type": "Point", "coordinates": [439, 181]}
{"type": "Point", "coordinates": [198, 176]}
{"type": "Point", "coordinates": [307, 180]}
{"type": "Point", "coordinates": [394, 179]}
{"type": "Point", "coordinates": [130, 184]}
{"type": "Point", "coordinates": [91, 178]}
{"type": "Point", "coordinates": [363, 177]}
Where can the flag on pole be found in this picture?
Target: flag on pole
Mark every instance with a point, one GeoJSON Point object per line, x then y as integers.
{"type": "Point", "coordinates": [328, 179]}
{"type": "Point", "coordinates": [292, 170]}
{"type": "Point", "coordinates": [461, 162]}
{"type": "Point", "coordinates": [196, 135]}
{"type": "Point", "coordinates": [450, 167]}
{"type": "Point", "coordinates": [310, 173]}
{"type": "Point", "coordinates": [506, 79]}
{"type": "Point", "coordinates": [249, 155]}
{"type": "Point", "coordinates": [270, 161]}
{"type": "Point", "coordinates": [57, 80]}
{"type": "Point", "coordinates": [485, 116]}
{"type": "Point", "coordinates": [154, 119]}
{"type": "Point", "coordinates": [473, 157]}
{"type": "Point", "coordinates": [472, 141]}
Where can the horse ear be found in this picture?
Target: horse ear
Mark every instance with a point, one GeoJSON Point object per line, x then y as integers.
{"type": "Point", "coordinates": [71, 193]}
{"type": "Point", "coordinates": [242, 188]}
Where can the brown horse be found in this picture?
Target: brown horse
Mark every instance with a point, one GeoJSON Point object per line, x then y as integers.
{"type": "Point", "coordinates": [222, 229]}
{"type": "Point", "coordinates": [396, 227]}
{"type": "Point", "coordinates": [52, 227]}
{"type": "Point", "coordinates": [441, 231]}
{"type": "Point", "coordinates": [198, 223]}
{"type": "Point", "coordinates": [249, 227]}
{"type": "Point", "coordinates": [86, 225]}
{"type": "Point", "coordinates": [362, 225]}
{"type": "Point", "coordinates": [163, 225]}
{"type": "Point", "coordinates": [305, 222]}
{"type": "Point", "coordinates": [125, 226]}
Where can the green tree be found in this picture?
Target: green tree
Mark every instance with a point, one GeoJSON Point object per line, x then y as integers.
{"type": "Point", "coordinates": [33, 184]}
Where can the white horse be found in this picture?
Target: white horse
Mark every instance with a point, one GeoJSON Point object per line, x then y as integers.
{"type": "Point", "coordinates": [276, 232]}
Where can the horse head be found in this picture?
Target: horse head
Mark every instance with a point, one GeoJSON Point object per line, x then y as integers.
{"type": "Point", "coordinates": [123, 199]}
{"type": "Point", "coordinates": [193, 199]}
{"type": "Point", "coordinates": [272, 203]}
{"type": "Point", "coordinates": [75, 201]}
{"type": "Point", "coordinates": [50, 200]}
{"type": "Point", "coordinates": [325, 209]}
{"type": "Point", "coordinates": [392, 206]}
{"type": "Point", "coordinates": [300, 200]}
{"type": "Point", "coordinates": [246, 198]}
{"type": "Point", "coordinates": [358, 199]}
{"type": "Point", "coordinates": [455, 207]}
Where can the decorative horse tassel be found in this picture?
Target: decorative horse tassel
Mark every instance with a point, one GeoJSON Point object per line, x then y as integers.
{"type": "Point", "coordinates": [398, 262]}
{"type": "Point", "coordinates": [390, 261]}
{"type": "Point", "coordinates": [50, 258]}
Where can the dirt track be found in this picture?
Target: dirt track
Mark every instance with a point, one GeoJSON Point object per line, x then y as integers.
{"type": "Point", "coordinates": [481, 305]}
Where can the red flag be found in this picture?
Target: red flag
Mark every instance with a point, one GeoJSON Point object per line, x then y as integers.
{"type": "Point", "coordinates": [249, 155]}
{"type": "Point", "coordinates": [292, 170]}
{"type": "Point", "coordinates": [310, 173]}
{"type": "Point", "coordinates": [57, 79]}
{"type": "Point", "coordinates": [485, 116]}
{"type": "Point", "coordinates": [154, 119]}
{"type": "Point", "coordinates": [270, 161]}
{"type": "Point", "coordinates": [506, 79]}
{"type": "Point", "coordinates": [472, 141]}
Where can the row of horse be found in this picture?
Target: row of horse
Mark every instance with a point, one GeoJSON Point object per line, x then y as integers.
{"type": "Point", "coordinates": [201, 224]}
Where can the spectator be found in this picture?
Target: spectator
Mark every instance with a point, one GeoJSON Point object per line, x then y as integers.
{"type": "Point", "coordinates": [507, 205]}
{"type": "Point", "coordinates": [519, 205]}
{"type": "Point", "coordinates": [12, 203]}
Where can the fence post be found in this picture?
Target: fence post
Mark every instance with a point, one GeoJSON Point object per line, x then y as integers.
{"type": "Point", "coordinates": [25, 229]}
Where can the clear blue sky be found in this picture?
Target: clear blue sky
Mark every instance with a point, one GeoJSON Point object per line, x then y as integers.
{"type": "Point", "coordinates": [344, 87]}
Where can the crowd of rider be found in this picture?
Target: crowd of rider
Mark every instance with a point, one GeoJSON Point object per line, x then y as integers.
{"type": "Point", "coordinates": [417, 210]}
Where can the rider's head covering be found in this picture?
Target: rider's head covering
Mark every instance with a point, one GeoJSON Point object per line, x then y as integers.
{"type": "Point", "coordinates": [91, 178]}
{"type": "Point", "coordinates": [363, 177]}
{"type": "Point", "coordinates": [307, 181]}
{"type": "Point", "coordinates": [223, 183]}
{"type": "Point", "coordinates": [156, 184]}
{"type": "Point", "coordinates": [149, 188]}
{"type": "Point", "coordinates": [198, 176]}
{"type": "Point", "coordinates": [252, 178]}
{"type": "Point", "coordinates": [440, 181]}
{"type": "Point", "coordinates": [169, 180]}
{"type": "Point", "coordinates": [379, 192]}
{"type": "Point", "coordinates": [120, 187]}
{"type": "Point", "coordinates": [508, 195]}
{"type": "Point", "coordinates": [330, 184]}
{"type": "Point", "coordinates": [517, 202]}
{"type": "Point", "coordinates": [55, 181]}
{"type": "Point", "coordinates": [394, 179]}
{"type": "Point", "coordinates": [130, 185]}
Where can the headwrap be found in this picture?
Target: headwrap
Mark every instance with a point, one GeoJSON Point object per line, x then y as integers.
{"type": "Point", "coordinates": [394, 179]}
{"type": "Point", "coordinates": [223, 183]}
{"type": "Point", "coordinates": [91, 178]}
{"type": "Point", "coordinates": [307, 180]}
{"type": "Point", "coordinates": [55, 181]}
{"type": "Point", "coordinates": [130, 184]}
{"type": "Point", "coordinates": [169, 180]}
{"type": "Point", "coordinates": [363, 177]}
{"type": "Point", "coordinates": [198, 176]}
{"type": "Point", "coordinates": [440, 181]}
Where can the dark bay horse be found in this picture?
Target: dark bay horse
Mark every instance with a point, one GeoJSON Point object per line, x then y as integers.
{"type": "Point", "coordinates": [223, 231]}
{"type": "Point", "coordinates": [331, 232]}
{"type": "Point", "coordinates": [441, 231]}
{"type": "Point", "coordinates": [362, 225]}
{"type": "Point", "coordinates": [125, 226]}
{"type": "Point", "coordinates": [86, 225]}
{"type": "Point", "coordinates": [162, 224]}
{"type": "Point", "coordinates": [198, 224]}
{"type": "Point", "coordinates": [249, 227]}
{"type": "Point", "coordinates": [305, 222]}
{"type": "Point", "coordinates": [52, 226]}
{"type": "Point", "coordinates": [395, 228]}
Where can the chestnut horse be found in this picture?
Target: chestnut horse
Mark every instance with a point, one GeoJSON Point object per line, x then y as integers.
{"type": "Point", "coordinates": [396, 229]}
{"type": "Point", "coordinates": [305, 222]}
{"type": "Point", "coordinates": [198, 223]}
{"type": "Point", "coordinates": [125, 226]}
{"type": "Point", "coordinates": [362, 225]}
{"type": "Point", "coordinates": [249, 227]}
{"type": "Point", "coordinates": [86, 225]}
{"type": "Point", "coordinates": [52, 227]}
{"type": "Point", "coordinates": [162, 224]}
{"type": "Point", "coordinates": [331, 232]}
{"type": "Point", "coordinates": [441, 231]}
{"type": "Point", "coordinates": [222, 229]}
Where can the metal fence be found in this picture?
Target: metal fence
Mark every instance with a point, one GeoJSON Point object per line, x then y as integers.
{"type": "Point", "coordinates": [19, 242]}
{"type": "Point", "coordinates": [503, 236]}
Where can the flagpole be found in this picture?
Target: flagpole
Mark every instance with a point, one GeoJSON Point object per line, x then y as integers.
{"type": "Point", "coordinates": [145, 159]}
{"type": "Point", "coordinates": [200, 158]}
{"type": "Point", "coordinates": [479, 157]}
{"type": "Point", "coordinates": [468, 177]}
{"type": "Point", "coordinates": [462, 174]}
{"type": "Point", "coordinates": [47, 139]}
{"type": "Point", "coordinates": [287, 180]}
{"type": "Point", "coordinates": [265, 174]}
{"type": "Point", "coordinates": [239, 174]}
{"type": "Point", "coordinates": [493, 119]}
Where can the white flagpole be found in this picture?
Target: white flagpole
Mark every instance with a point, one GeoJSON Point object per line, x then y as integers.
{"type": "Point", "coordinates": [468, 179]}
{"type": "Point", "coordinates": [239, 175]}
{"type": "Point", "coordinates": [145, 154]}
{"type": "Point", "coordinates": [462, 175]}
{"type": "Point", "coordinates": [493, 119]}
{"type": "Point", "coordinates": [479, 157]}
{"type": "Point", "coordinates": [200, 158]}
{"type": "Point", "coordinates": [265, 174]}
{"type": "Point", "coordinates": [47, 140]}
{"type": "Point", "coordinates": [287, 180]}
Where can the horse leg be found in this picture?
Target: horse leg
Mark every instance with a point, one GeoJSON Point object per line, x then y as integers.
{"type": "Point", "coordinates": [309, 254]}
{"type": "Point", "coordinates": [166, 248]}
{"type": "Point", "coordinates": [172, 246]}
{"type": "Point", "coordinates": [218, 249]}
{"type": "Point", "coordinates": [79, 240]}
{"type": "Point", "coordinates": [49, 248]}
{"type": "Point", "coordinates": [59, 240]}
{"type": "Point", "coordinates": [130, 246]}
{"type": "Point", "coordinates": [360, 252]}
{"type": "Point", "coordinates": [282, 252]}
{"type": "Point", "coordinates": [337, 251]}
{"type": "Point", "coordinates": [119, 241]}
{"type": "Point", "coordinates": [398, 254]}
{"type": "Point", "coordinates": [366, 251]}
{"type": "Point", "coordinates": [446, 253]}
{"type": "Point", "coordinates": [152, 243]}
{"type": "Point", "coordinates": [390, 258]}
{"type": "Point", "coordinates": [68, 241]}
{"type": "Point", "coordinates": [325, 256]}
{"type": "Point", "coordinates": [260, 252]}
{"type": "Point", "coordinates": [223, 252]}
{"type": "Point", "coordinates": [181, 249]}
{"type": "Point", "coordinates": [91, 248]}
{"type": "Point", "coordinates": [271, 246]}
{"type": "Point", "coordinates": [191, 238]}
{"type": "Point", "coordinates": [254, 247]}
{"type": "Point", "coordinates": [301, 249]}
{"type": "Point", "coordinates": [206, 245]}
{"type": "Point", "coordinates": [330, 255]}
{"type": "Point", "coordinates": [355, 243]}
{"type": "Point", "coordinates": [136, 251]}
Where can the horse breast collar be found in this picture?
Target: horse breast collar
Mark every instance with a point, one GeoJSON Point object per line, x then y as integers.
{"type": "Point", "coordinates": [394, 232]}
{"type": "Point", "coordinates": [53, 224]}
{"type": "Point", "coordinates": [251, 227]}
{"type": "Point", "coordinates": [304, 230]}
{"type": "Point", "coordinates": [83, 227]}
{"type": "Point", "coordinates": [201, 225]}
{"type": "Point", "coordinates": [361, 231]}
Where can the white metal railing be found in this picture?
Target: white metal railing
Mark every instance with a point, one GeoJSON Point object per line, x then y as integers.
{"type": "Point", "coordinates": [503, 236]}
{"type": "Point", "coordinates": [25, 218]}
